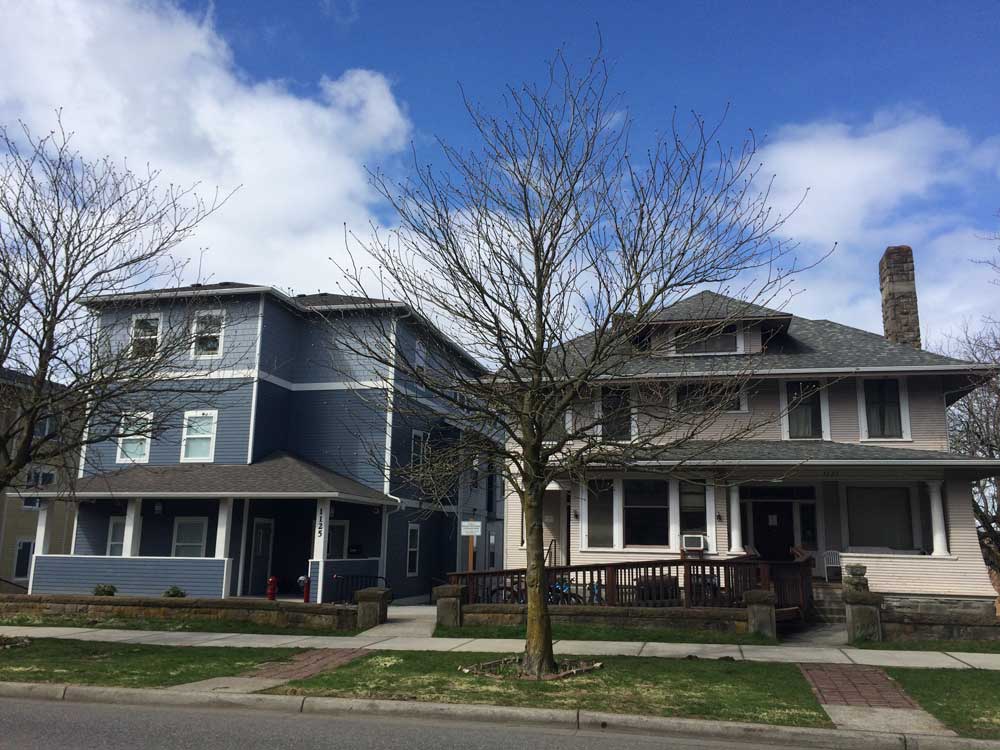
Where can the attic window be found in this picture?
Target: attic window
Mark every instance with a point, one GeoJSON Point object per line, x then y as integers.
{"type": "Point", "coordinates": [706, 339]}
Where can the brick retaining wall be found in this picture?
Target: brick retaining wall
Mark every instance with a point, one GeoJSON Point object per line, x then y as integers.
{"type": "Point", "coordinates": [320, 617]}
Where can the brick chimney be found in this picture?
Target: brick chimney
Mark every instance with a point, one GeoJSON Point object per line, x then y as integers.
{"type": "Point", "coordinates": [897, 282]}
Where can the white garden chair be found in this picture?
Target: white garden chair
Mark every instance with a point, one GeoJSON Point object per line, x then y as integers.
{"type": "Point", "coordinates": [831, 559]}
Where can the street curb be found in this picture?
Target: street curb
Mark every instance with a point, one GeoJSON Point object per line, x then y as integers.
{"type": "Point", "coordinates": [590, 721]}
{"type": "Point", "coordinates": [555, 718]}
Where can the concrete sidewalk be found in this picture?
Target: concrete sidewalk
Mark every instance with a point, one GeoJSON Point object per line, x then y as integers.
{"type": "Point", "coordinates": [792, 654]}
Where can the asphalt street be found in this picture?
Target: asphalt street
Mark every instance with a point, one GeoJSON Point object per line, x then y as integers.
{"type": "Point", "coordinates": [26, 725]}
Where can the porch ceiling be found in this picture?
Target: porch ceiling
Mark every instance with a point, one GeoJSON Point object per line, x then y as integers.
{"type": "Point", "coordinates": [278, 476]}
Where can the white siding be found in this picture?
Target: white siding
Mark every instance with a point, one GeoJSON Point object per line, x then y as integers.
{"type": "Point", "coordinates": [962, 573]}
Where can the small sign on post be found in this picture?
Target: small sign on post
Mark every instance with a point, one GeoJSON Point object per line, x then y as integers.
{"type": "Point", "coordinates": [472, 529]}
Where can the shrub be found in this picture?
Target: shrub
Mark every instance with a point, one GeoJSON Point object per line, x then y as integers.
{"type": "Point", "coordinates": [105, 589]}
{"type": "Point", "coordinates": [175, 592]}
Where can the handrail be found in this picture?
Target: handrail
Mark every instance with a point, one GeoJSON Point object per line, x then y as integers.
{"type": "Point", "coordinates": [549, 551]}
{"type": "Point", "coordinates": [649, 583]}
{"type": "Point", "coordinates": [14, 584]}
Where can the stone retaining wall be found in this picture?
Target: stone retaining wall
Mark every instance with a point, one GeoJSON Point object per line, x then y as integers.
{"type": "Point", "coordinates": [319, 617]}
{"type": "Point", "coordinates": [730, 620]}
{"type": "Point", "coordinates": [906, 617]}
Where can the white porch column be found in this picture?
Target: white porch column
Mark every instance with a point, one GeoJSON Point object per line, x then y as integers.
{"type": "Point", "coordinates": [710, 514]}
{"type": "Point", "coordinates": [735, 525]}
{"type": "Point", "coordinates": [223, 528]}
{"type": "Point", "coordinates": [323, 511]}
{"type": "Point", "coordinates": [674, 514]}
{"type": "Point", "coordinates": [223, 533]}
{"type": "Point", "coordinates": [43, 529]}
{"type": "Point", "coordinates": [133, 528]}
{"type": "Point", "coordinates": [938, 530]}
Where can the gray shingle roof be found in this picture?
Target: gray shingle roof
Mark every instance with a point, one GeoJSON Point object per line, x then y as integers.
{"type": "Point", "coordinates": [279, 475]}
{"type": "Point", "coordinates": [809, 451]}
{"type": "Point", "coordinates": [713, 306]}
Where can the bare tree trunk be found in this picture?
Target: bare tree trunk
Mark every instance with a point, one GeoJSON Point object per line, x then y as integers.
{"type": "Point", "coordinates": [538, 658]}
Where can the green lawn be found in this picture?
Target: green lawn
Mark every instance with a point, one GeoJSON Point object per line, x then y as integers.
{"type": "Point", "coordinates": [601, 633]}
{"type": "Point", "coordinates": [976, 647]}
{"type": "Point", "coordinates": [966, 700]}
{"type": "Point", "coordinates": [194, 625]}
{"type": "Point", "coordinates": [720, 690]}
{"type": "Point", "coordinates": [127, 665]}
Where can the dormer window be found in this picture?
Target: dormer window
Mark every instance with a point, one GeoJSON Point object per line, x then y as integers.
{"type": "Point", "coordinates": [707, 339]}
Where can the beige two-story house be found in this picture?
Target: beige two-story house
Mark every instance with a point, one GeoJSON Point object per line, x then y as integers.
{"type": "Point", "coordinates": [843, 451]}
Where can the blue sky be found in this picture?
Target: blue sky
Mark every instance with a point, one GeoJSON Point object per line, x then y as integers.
{"type": "Point", "coordinates": [888, 113]}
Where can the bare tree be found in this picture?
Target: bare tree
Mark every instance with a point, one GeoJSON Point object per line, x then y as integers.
{"type": "Point", "coordinates": [72, 231]}
{"type": "Point", "coordinates": [548, 252]}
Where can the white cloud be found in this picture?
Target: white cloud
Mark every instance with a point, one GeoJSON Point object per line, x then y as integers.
{"type": "Point", "coordinates": [146, 81]}
{"type": "Point", "coordinates": [903, 178]}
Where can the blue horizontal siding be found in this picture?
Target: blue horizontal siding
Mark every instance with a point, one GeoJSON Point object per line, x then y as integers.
{"type": "Point", "coordinates": [132, 576]}
{"type": "Point", "coordinates": [232, 399]}
{"type": "Point", "coordinates": [346, 589]}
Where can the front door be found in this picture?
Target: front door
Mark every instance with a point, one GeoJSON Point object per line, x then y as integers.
{"type": "Point", "coordinates": [773, 530]}
{"type": "Point", "coordinates": [260, 555]}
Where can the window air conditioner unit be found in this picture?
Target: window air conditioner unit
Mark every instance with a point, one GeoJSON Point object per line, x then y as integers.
{"type": "Point", "coordinates": [693, 542]}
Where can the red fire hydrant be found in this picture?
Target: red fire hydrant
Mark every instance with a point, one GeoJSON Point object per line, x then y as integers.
{"type": "Point", "coordinates": [306, 586]}
{"type": "Point", "coordinates": [272, 588]}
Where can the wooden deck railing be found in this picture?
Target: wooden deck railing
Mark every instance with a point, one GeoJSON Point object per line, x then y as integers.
{"type": "Point", "coordinates": [653, 583]}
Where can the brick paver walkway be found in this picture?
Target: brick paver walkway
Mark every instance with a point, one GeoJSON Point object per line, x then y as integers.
{"type": "Point", "coordinates": [855, 685]}
{"type": "Point", "coordinates": [306, 664]}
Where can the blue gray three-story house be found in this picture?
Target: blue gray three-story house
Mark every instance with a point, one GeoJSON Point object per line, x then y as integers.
{"type": "Point", "coordinates": [286, 464]}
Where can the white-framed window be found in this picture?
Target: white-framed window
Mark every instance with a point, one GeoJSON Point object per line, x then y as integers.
{"type": "Point", "coordinates": [336, 541]}
{"type": "Point", "coordinates": [198, 436]}
{"type": "Point", "coordinates": [133, 445]}
{"type": "Point", "coordinates": [30, 503]}
{"type": "Point", "coordinates": [40, 476]}
{"type": "Point", "coordinates": [145, 335]}
{"type": "Point", "coordinates": [636, 512]}
{"type": "Point", "coordinates": [883, 409]}
{"type": "Point", "coordinates": [46, 427]}
{"type": "Point", "coordinates": [420, 447]}
{"type": "Point", "coordinates": [207, 334]}
{"type": "Point", "coordinates": [805, 409]}
{"type": "Point", "coordinates": [693, 506]}
{"type": "Point", "coordinates": [25, 549]}
{"type": "Point", "coordinates": [616, 414]}
{"type": "Point", "coordinates": [700, 397]}
{"type": "Point", "coordinates": [699, 339]}
{"type": "Point", "coordinates": [412, 550]}
{"type": "Point", "coordinates": [190, 533]}
{"type": "Point", "coordinates": [116, 536]}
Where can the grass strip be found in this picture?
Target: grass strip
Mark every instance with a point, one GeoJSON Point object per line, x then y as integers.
{"type": "Point", "coordinates": [128, 665]}
{"type": "Point", "coordinates": [703, 689]}
{"type": "Point", "coordinates": [965, 700]}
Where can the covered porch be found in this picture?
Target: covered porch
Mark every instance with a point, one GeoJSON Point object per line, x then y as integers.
{"type": "Point", "coordinates": [218, 531]}
{"type": "Point", "coordinates": [906, 514]}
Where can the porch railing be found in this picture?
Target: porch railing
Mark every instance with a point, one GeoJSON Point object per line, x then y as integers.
{"type": "Point", "coordinates": [654, 583]}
